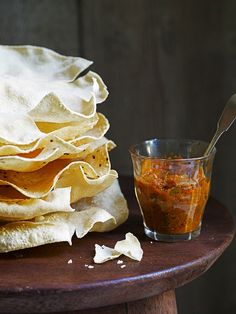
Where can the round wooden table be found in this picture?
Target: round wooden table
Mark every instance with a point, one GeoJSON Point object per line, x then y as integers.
{"type": "Point", "coordinates": [40, 280]}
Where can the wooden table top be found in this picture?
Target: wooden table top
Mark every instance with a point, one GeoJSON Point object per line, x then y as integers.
{"type": "Point", "coordinates": [41, 280]}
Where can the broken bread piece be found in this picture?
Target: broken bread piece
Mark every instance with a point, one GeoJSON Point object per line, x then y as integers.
{"type": "Point", "coordinates": [129, 247]}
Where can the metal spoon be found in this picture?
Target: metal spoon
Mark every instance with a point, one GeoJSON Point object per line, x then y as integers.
{"type": "Point", "coordinates": [227, 118]}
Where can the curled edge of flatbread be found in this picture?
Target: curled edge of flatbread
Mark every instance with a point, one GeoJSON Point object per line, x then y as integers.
{"type": "Point", "coordinates": [59, 227]}
{"type": "Point", "coordinates": [57, 200]}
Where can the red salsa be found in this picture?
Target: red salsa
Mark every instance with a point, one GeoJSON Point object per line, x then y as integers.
{"type": "Point", "coordinates": [172, 200]}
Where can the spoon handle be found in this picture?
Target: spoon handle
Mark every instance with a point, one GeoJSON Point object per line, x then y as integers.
{"type": "Point", "coordinates": [226, 119]}
{"type": "Point", "coordinates": [215, 138]}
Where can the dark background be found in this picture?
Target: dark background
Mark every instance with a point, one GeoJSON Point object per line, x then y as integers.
{"type": "Point", "coordinates": [170, 66]}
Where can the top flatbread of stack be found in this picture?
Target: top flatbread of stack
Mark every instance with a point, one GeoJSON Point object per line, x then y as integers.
{"type": "Point", "coordinates": [55, 173]}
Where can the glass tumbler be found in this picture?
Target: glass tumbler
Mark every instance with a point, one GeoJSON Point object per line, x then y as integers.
{"type": "Point", "coordinates": [172, 182]}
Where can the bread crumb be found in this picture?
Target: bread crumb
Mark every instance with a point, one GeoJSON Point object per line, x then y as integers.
{"type": "Point", "coordinates": [90, 266]}
{"type": "Point", "coordinates": [122, 266]}
{"type": "Point", "coordinates": [70, 261]}
{"type": "Point", "coordinates": [120, 262]}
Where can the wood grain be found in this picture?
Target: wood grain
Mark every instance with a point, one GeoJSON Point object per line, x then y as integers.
{"type": "Point", "coordinates": [40, 280]}
{"type": "Point", "coordinates": [114, 309]}
{"type": "Point", "coordinates": [164, 303]}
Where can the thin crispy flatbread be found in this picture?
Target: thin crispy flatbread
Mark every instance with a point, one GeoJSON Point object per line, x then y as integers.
{"type": "Point", "coordinates": [40, 64]}
{"type": "Point", "coordinates": [57, 148]}
{"type": "Point", "coordinates": [86, 178]}
{"type": "Point", "coordinates": [112, 200]}
{"type": "Point", "coordinates": [53, 151]}
{"type": "Point", "coordinates": [59, 227]}
{"type": "Point", "coordinates": [25, 209]}
{"type": "Point", "coordinates": [66, 131]}
{"type": "Point", "coordinates": [54, 101]}
{"type": "Point", "coordinates": [129, 247]}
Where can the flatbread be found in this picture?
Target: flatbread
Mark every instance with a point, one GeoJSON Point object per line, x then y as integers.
{"type": "Point", "coordinates": [129, 247]}
{"type": "Point", "coordinates": [57, 227]}
{"type": "Point", "coordinates": [55, 172]}
{"type": "Point", "coordinates": [58, 148]}
{"type": "Point", "coordinates": [25, 209]}
{"type": "Point", "coordinates": [37, 63]}
{"type": "Point", "coordinates": [104, 253]}
{"type": "Point", "coordinates": [112, 200]}
{"type": "Point", "coordinates": [66, 131]}
{"type": "Point", "coordinates": [18, 129]}
{"type": "Point", "coordinates": [26, 234]}
{"type": "Point", "coordinates": [85, 179]}
{"type": "Point", "coordinates": [52, 101]}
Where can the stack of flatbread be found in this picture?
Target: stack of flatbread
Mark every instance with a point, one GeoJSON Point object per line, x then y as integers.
{"type": "Point", "coordinates": [55, 173]}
